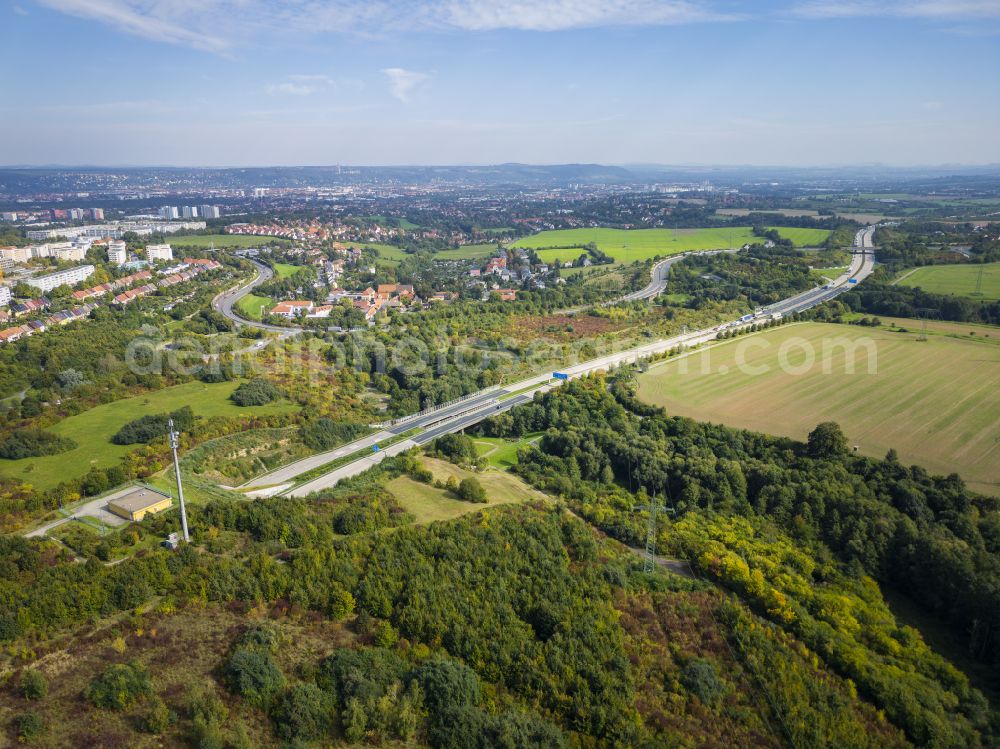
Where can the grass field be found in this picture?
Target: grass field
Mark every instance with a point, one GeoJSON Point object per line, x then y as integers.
{"type": "Point", "coordinates": [833, 273]}
{"type": "Point", "coordinates": [957, 279]}
{"type": "Point", "coordinates": [92, 430]}
{"type": "Point", "coordinates": [783, 211]}
{"type": "Point", "coordinates": [222, 240]}
{"type": "Point", "coordinates": [428, 504]}
{"type": "Point", "coordinates": [935, 401]}
{"type": "Point", "coordinates": [284, 270]}
{"type": "Point", "coordinates": [502, 453]}
{"type": "Point", "coordinates": [983, 333]}
{"type": "Point", "coordinates": [630, 245]}
{"type": "Point", "coordinates": [253, 306]}
{"type": "Point", "coordinates": [467, 252]}
{"type": "Point", "coordinates": [389, 253]}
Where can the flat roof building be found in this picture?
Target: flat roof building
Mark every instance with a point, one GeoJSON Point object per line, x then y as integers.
{"type": "Point", "coordinates": [68, 277]}
{"type": "Point", "coordinates": [159, 252]}
{"type": "Point", "coordinates": [136, 502]}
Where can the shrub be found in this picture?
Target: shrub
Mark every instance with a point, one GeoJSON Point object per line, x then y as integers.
{"type": "Point", "coordinates": [148, 428]}
{"type": "Point", "coordinates": [255, 392]}
{"type": "Point", "coordinates": [324, 433]}
{"type": "Point", "coordinates": [208, 714]}
{"type": "Point", "coordinates": [701, 678]}
{"type": "Point", "coordinates": [31, 442]}
{"type": "Point", "coordinates": [29, 726]}
{"type": "Point", "coordinates": [157, 718]}
{"type": "Point", "coordinates": [33, 685]}
{"type": "Point", "coordinates": [303, 712]}
{"type": "Point", "coordinates": [263, 637]}
{"type": "Point", "coordinates": [254, 675]}
{"type": "Point", "coordinates": [471, 490]}
{"type": "Point", "coordinates": [120, 686]}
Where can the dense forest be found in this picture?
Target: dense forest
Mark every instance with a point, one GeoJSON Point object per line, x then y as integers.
{"type": "Point", "coordinates": [742, 502]}
{"type": "Point", "coordinates": [521, 626]}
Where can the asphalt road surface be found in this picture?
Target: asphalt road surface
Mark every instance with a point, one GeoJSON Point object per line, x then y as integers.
{"type": "Point", "coordinates": [224, 302]}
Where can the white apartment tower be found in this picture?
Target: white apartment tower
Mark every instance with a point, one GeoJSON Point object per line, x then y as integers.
{"type": "Point", "coordinates": [159, 252]}
{"type": "Point", "coordinates": [117, 252]}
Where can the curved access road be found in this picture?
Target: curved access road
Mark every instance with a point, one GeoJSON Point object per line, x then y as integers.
{"type": "Point", "coordinates": [659, 275]}
{"type": "Point", "coordinates": [225, 301]}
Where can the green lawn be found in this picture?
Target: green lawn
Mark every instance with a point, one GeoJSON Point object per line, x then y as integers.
{"type": "Point", "coordinates": [221, 240]}
{"type": "Point", "coordinates": [92, 430]}
{"type": "Point", "coordinates": [960, 280]}
{"type": "Point", "coordinates": [803, 237]}
{"type": "Point", "coordinates": [630, 245]}
{"type": "Point", "coordinates": [467, 252]}
{"type": "Point", "coordinates": [389, 253]}
{"type": "Point", "coordinates": [502, 453]}
{"type": "Point", "coordinates": [830, 272]}
{"type": "Point", "coordinates": [933, 401]}
{"type": "Point", "coordinates": [284, 270]}
{"type": "Point", "coordinates": [252, 306]}
{"type": "Point", "coordinates": [427, 504]}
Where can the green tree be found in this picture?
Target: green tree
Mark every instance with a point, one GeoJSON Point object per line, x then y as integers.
{"type": "Point", "coordinates": [827, 441]}
{"type": "Point", "coordinates": [303, 712]}
{"type": "Point", "coordinates": [253, 675]}
{"type": "Point", "coordinates": [471, 490]}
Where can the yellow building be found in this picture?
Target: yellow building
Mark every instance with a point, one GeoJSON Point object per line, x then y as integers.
{"type": "Point", "coordinates": [136, 502]}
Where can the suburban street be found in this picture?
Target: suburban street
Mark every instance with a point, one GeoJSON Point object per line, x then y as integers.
{"type": "Point", "coordinates": [224, 302]}
{"type": "Point", "coordinates": [472, 409]}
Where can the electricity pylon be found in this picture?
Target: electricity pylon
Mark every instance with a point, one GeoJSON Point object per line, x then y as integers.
{"type": "Point", "coordinates": [174, 442]}
{"type": "Point", "coordinates": [654, 508]}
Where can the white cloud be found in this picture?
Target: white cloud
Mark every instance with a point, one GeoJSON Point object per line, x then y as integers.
{"type": "Point", "coordinates": [554, 15]}
{"type": "Point", "coordinates": [220, 25]}
{"type": "Point", "coordinates": [292, 89]}
{"type": "Point", "coordinates": [927, 9]}
{"type": "Point", "coordinates": [19, 10]}
{"type": "Point", "coordinates": [402, 82]}
{"type": "Point", "coordinates": [144, 19]}
{"type": "Point", "coordinates": [302, 84]}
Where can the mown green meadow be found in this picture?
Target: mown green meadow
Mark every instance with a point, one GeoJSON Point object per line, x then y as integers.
{"type": "Point", "coordinates": [630, 245]}
{"type": "Point", "coordinates": [960, 280]}
{"type": "Point", "coordinates": [92, 430]}
{"type": "Point", "coordinates": [929, 400]}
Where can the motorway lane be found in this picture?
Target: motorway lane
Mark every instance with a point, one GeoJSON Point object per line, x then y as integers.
{"type": "Point", "coordinates": [288, 473]}
{"type": "Point", "coordinates": [364, 463]}
{"type": "Point", "coordinates": [466, 413]}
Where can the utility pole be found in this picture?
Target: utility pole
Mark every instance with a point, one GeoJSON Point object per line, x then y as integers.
{"type": "Point", "coordinates": [979, 283]}
{"type": "Point", "coordinates": [649, 564]}
{"type": "Point", "coordinates": [174, 442]}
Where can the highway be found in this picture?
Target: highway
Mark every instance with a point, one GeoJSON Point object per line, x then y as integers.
{"type": "Point", "coordinates": [467, 412]}
{"type": "Point", "coordinates": [224, 302]}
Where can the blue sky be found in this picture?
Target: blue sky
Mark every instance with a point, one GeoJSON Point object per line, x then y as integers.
{"type": "Point", "coordinates": [239, 82]}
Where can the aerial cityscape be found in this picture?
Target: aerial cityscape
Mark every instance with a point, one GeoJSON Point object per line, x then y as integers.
{"type": "Point", "coordinates": [487, 375]}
